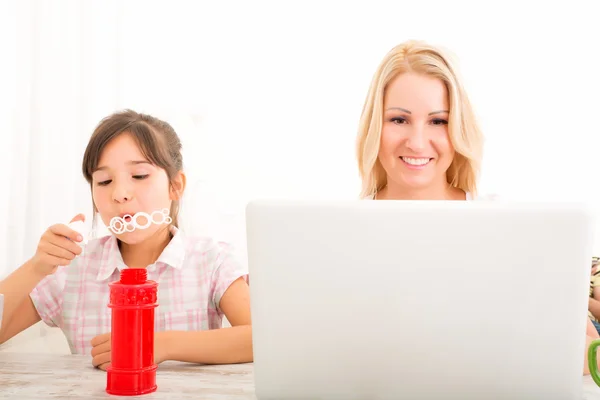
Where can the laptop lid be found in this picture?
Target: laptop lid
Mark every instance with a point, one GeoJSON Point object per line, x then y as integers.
{"type": "Point", "coordinates": [418, 300]}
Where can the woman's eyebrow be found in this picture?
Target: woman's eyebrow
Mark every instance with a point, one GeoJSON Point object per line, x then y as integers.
{"type": "Point", "coordinates": [408, 112]}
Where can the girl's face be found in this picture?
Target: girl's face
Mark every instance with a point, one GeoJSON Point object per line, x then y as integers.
{"type": "Point", "coordinates": [126, 183]}
{"type": "Point", "coordinates": [415, 149]}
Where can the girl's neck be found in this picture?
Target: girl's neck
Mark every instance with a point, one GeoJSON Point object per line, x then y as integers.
{"type": "Point", "coordinates": [439, 192]}
{"type": "Point", "coordinates": [140, 255]}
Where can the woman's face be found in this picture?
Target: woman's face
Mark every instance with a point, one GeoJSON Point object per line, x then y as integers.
{"type": "Point", "coordinates": [415, 149]}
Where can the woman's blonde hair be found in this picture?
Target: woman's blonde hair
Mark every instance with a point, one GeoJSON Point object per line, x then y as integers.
{"type": "Point", "coordinates": [465, 134]}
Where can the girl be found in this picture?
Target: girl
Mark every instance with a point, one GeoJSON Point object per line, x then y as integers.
{"type": "Point", "coordinates": [133, 163]}
{"type": "Point", "coordinates": [418, 138]}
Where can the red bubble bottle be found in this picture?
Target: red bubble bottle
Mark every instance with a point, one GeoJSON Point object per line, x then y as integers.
{"type": "Point", "coordinates": [133, 300]}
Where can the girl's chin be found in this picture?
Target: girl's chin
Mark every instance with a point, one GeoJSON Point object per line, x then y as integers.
{"type": "Point", "coordinates": [140, 235]}
{"type": "Point", "coordinates": [134, 237]}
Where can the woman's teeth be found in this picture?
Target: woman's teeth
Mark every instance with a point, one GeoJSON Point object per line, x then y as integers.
{"type": "Point", "coordinates": [415, 161]}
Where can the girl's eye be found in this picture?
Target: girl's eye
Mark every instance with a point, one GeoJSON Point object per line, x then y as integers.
{"type": "Point", "coordinates": [140, 176]}
{"type": "Point", "coordinates": [439, 121]}
{"type": "Point", "coordinates": [104, 183]}
{"type": "Point", "coordinates": [398, 120]}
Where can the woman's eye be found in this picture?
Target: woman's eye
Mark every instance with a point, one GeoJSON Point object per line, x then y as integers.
{"type": "Point", "coordinates": [104, 183]}
{"type": "Point", "coordinates": [439, 121]}
{"type": "Point", "coordinates": [140, 176]}
{"type": "Point", "coordinates": [398, 120]}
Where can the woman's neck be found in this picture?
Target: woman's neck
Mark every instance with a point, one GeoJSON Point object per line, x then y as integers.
{"type": "Point", "coordinates": [140, 255]}
{"type": "Point", "coordinates": [442, 192]}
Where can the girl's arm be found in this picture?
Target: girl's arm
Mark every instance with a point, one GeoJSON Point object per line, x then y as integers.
{"type": "Point", "coordinates": [18, 312]}
{"type": "Point", "coordinates": [57, 247]}
{"type": "Point", "coordinates": [216, 346]}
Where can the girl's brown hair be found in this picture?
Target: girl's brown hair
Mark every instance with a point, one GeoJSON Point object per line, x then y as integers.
{"type": "Point", "coordinates": [157, 140]}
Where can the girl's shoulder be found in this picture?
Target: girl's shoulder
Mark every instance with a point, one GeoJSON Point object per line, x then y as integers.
{"type": "Point", "coordinates": [208, 251]}
{"type": "Point", "coordinates": [204, 244]}
{"type": "Point", "coordinates": [218, 261]}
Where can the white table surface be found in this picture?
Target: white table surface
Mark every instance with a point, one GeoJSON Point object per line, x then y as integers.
{"type": "Point", "coordinates": [43, 376]}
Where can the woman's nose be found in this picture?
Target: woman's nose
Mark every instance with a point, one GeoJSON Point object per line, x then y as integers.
{"type": "Point", "coordinates": [416, 140]}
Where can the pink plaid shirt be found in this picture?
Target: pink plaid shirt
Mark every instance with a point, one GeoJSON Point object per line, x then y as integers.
{"type": "Point", "coordinates": [192, 275]}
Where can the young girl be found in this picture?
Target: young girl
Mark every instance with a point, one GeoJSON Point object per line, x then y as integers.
{"type": "Point", "coordinates": [133, 164]}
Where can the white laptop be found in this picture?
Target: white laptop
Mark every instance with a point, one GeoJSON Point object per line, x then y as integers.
{"type": "Point", "coordinates": [418, 300]}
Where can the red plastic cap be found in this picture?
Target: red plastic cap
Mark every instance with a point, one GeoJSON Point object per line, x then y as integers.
{"type": "Point", "coordinates": [134, 276]}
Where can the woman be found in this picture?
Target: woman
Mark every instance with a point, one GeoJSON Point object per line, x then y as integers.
{"type": "Point", "coordinates": [418, 138]}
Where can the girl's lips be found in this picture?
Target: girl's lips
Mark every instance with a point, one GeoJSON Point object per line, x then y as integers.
{"type": "Point", "coordinates": [127, 216]}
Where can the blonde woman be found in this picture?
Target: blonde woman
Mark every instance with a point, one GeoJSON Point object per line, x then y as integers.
{"type": "Point", "coordinates": [418, 138]}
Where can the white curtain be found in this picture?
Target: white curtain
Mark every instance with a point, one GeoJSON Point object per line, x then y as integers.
{"type": "Point", "coordinates": [72, 63]}
{"type": "Point", "coordinates": [60, 76]}
{"type": "Point", "coordinates": [266, 97]}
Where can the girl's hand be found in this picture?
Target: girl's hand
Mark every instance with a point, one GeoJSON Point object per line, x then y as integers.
{"type": "Point", "coordinates": [101, 350]}
{"type": "Point", "coordinates": [57, 247]}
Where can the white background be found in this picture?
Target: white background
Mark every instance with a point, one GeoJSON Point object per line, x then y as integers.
{"type": "Point", "coordinates": [266, 97]}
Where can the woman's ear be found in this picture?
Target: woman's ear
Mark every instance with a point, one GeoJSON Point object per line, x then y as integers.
{"type": "Point", "coordinates": [178, 186]}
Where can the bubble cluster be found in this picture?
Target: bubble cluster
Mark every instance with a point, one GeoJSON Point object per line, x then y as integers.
{"type": "Point", "coordinates": [129, 223]}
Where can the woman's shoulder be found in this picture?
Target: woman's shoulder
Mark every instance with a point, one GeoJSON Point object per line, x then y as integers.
{"type": "Point", "coordinates": [469, 196]}
{"type": "Point", "coordinates": [484, 197]}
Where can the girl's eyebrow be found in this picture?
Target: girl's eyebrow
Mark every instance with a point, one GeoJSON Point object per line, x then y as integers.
{"type": "Point", "coordinates": [132, 162]}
